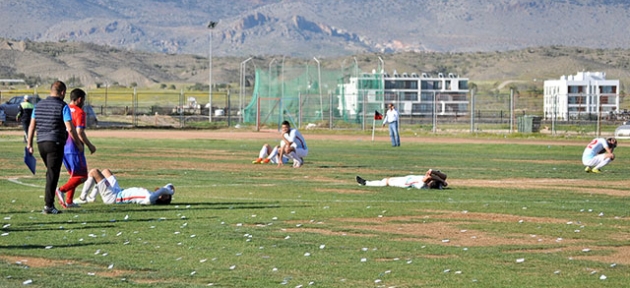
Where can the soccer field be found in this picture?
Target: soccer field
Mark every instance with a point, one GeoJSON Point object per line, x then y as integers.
{"type": "Point", "coordinates": [517, 213]}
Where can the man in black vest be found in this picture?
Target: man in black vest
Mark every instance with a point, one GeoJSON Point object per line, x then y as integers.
{"type": "Point", "coordinates": [52, 121]}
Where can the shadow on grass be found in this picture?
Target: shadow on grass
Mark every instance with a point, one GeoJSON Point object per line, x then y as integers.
{"type": "Point", "coordinates": [35, 246]}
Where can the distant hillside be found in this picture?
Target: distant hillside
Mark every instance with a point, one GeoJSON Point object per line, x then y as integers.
{"type": "Point", "coordinates": [88, 64]}
{"type": "Point", "coordinates": [321, 28]}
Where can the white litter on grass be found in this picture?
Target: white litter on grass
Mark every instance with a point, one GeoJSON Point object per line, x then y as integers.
{"type": "Point", "coordinates": [4, 234]}
{"type": "Point", "coordinates": [48, 247]}
{"type": "Point", "coordinates": [274, 269]}
{"type": "Point", "coordinates": [458, 272]}
{"type": "Point", "coordinates": [232, 267]}
{"type": "Point", "coordinates": [97, 252]}
{"type": "Point", "coordinates": [556, 272]}
{"type": "Point", "coordinates": [446, 241]}
{"type": "Point", "coordinates": [613, 265]}
{"type": "Point", "coordinates": [7, 218]}
{"type": "Point", "coordinates": [307, 254]}
{"type": "Point", "coordinates": [239, 224]}
{"type": "Point", "coordinates": [322, 246]}
{"type": "Point", "coordinates": [520, 260]}
{"type": "Point", "coordinates": [558, 239]}
{"type": "Point", "coordinates": [601, 214]}
{"type": "Point", "coordinates": [193, 273]}
{"type": "Point", "coordinates": [363, 260]}
{"type": "Point", "coordinates": [126, 217]}
{"type": "Point", "coordinates": [6, 226]}
{"type": "Point", "coordinates": [364, 249]}
{"type": "Point", "coordinates": [287, 238]}
{"type": "Point", "coordinates": [377, 281]}
{"type": "Point", "coordinates": [119, 233]}
{"type": "Point", "coordinates": [586, 250]}
{"type": "Point", "coordinates": [447, 270]}
{"type": "Point", "coordinates": [203, 260]}
{"type": "Point", "coordinates": [603, 277]}
{"type": "Point", "coordinates": [27, 282]}
{"type": "Point", "coordinates": [520, 221]}
{"type": "Point", "coordinates": [111, 266]}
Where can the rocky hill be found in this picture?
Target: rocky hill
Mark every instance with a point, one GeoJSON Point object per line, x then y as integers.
{"type": "Point", "coordinates": [88, 64]}
{"type": "Point", "coordinates": [321, 28]}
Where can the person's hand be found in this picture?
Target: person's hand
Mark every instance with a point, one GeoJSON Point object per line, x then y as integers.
{"type": "Point", "coordinates": [30, 149]}
{"type": "Point", "coordinates": [92, 148]}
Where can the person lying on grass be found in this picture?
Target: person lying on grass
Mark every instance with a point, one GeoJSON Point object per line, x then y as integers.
{"type": "Point", "coordinates": [432, 179]}
{"type": "Point", "coordinates": [111, 193]}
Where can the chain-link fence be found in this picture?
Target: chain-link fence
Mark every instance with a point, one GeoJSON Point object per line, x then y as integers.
{"type": "Point", "coordinates": [299, 99]}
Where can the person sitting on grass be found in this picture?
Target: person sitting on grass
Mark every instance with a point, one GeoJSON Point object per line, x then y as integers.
{"type": "Point", "coordinates": [111, 193]}
{"type": "Point", "coordinates": [267, 155]}
{"type": "Point", "coordinates": [432, 179]}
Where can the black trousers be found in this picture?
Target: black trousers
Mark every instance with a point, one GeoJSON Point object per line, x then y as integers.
{"type": "Point", "coordinates": [52, 155]}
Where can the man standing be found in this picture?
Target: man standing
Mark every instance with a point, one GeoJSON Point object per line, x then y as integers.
{"type": "Point", "coordinates": [52, 121]}
{"type": "Point", "coordinates": [292, 146]}
{"type": "Point", "coordinates": [598, 153]}
{"type": "Point", "coordinates": [73, 158]}
{"type": "Point", "coordinates": [391, 117]}
{"type": "Point", "coordinates": [24, 115]}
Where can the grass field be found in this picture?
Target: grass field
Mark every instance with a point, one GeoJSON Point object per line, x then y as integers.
{"type": "Point", "coordinates": [518, 213]}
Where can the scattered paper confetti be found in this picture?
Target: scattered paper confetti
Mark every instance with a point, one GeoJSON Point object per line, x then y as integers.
{"type": "Point", "coordinates": [603, 277]}
{"type": "Point", "coordinates": [27, 282]}
{"type": "Point", "coordinates": [520, 260]}
{"type": "Point", "coordinates": [307, 254]}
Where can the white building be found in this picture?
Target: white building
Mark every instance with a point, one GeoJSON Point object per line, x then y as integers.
{"type": "Point", "coordinates": [412, 94]}
{"type": "Point", "coordinates": [580, 95]}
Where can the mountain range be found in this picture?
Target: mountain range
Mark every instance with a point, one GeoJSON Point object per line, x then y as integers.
{"type": "Point", "coordinates": [321, 28]}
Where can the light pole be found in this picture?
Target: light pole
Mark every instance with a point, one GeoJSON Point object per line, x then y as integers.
{"type": "Point", "coordinates": [211, 26]}
{"type": "Point", "coordinates": [319, 84]}
{"type": "Point", "coordinates": [269, 77]}
{"type": "Point", "coordinates": [242, 84]}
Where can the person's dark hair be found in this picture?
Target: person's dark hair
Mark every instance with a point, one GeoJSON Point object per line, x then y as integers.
{"type": "Point", "coordinates": [285, 122]}
{"type": "Point", "coordinates": [76, 94]}
{"type": "Point", "coordinates": [164, 200]}
{"type": "Point", "coordinates": [58, 87]}
{"type": "Point", "coordinates": [612, 142]}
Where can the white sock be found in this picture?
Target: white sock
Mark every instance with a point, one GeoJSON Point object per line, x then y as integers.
{"type": "Point", "coordinates": [273, 154]}
{"type": "Point", "coordinates": [263, 152]}
{"type": "Point", "coordinates": [89, 183]}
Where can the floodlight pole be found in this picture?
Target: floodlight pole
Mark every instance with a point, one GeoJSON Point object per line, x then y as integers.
{"type": "Point", "coordinates": [211, 26]}
{"type": "Point", "coordinates": [242, 84]}
{"type": "Point", "coordinates": [319, 84]}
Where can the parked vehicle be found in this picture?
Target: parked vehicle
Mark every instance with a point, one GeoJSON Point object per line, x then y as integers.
{"type": "Point", "coordinates": [12, 107]}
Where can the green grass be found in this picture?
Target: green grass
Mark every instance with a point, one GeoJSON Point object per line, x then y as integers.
{"type": "Point", "coordinates": [234, 224]}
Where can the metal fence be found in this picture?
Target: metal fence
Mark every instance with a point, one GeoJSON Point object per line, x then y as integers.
{"type": "Point", "coordinates": [492, 112]}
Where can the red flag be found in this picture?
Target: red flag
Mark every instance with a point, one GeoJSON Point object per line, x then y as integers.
{"type": "Point", "coordinates": [377, 116]}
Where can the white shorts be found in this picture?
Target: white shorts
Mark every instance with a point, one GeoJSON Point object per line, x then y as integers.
{"type": "Point", "coordinates": [595, 160]}
{"type": "Point", "coordinates": [109, 189]}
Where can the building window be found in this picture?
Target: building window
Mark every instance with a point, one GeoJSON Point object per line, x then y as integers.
{"type": "Point", "coordinates": [410, 96]}
{"type": "Point", "coordinates": [422, 108]}
{"type": "Point", "coordinates": [463, 84]}
{"type": "Point", "coordinates": [426, 96]}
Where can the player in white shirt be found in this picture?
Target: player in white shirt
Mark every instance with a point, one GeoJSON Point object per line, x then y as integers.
{"type": "Point", "coordinates": [111, 193]}
{"type": "Point", "coordinates": [598, 153]}
{"type": "Point", "coordinates": [267, 154]}
{"type": "Point", "coordinates": [432, 179]}
{"type": "Point", "coordinates": [293, 145]}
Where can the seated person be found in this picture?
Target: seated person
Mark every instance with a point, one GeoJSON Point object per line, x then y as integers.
{"type": "Point", "coordinates": [267, 155]}
{"type": "Point", "coordinates": [432, 179]}
{"type": "Point", "coordinates": [111, 193]}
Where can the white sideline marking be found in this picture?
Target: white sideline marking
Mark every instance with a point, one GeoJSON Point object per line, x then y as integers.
{"type": "Point", "coordinates": [17, 181]}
